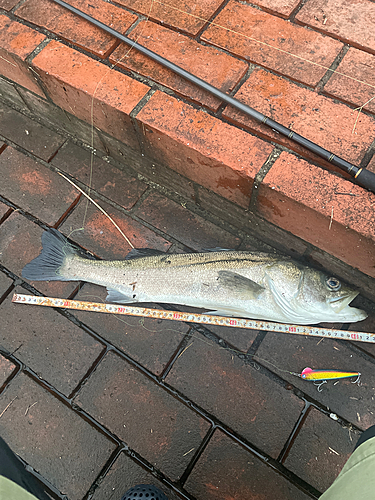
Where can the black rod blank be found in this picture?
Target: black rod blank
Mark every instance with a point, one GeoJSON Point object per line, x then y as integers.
{"type": "Point", "coordinates": [363, 177]}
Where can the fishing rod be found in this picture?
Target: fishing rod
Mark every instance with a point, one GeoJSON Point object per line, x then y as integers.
{"type": "Point", "coordinates": [362, 177]}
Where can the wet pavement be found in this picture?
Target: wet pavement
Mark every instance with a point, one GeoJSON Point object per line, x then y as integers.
{"type": "Point", "coordinates": [95, 404]}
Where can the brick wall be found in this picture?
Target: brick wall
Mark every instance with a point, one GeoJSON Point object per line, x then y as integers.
{"type": "Point", "coordinates": [279, 57]}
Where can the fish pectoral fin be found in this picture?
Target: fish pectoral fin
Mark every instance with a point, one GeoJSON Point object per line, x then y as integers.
{"type": "Point", "coordinates": [228, 313]}
{"type": "Point", "coordinates": [118, 297]}
{"type": "Point", "coordinates": [137, 253]}
{"type": "Point", "coordinates": [240, 286]}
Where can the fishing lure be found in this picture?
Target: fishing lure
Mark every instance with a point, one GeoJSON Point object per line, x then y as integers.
{"type": "Point", "coordinates": [323, 375]}
{"type": "Point", "coordinates": [320, 376]}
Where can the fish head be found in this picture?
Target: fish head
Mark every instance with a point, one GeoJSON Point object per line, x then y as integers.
{"type": "Point", "coordinates": [311, 296]}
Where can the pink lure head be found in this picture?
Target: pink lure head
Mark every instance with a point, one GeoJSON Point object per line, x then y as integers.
{"type": "Point", "coordinates": [306, 372]}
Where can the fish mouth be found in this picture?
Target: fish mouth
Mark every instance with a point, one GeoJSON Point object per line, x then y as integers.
{"type": "Point", "coordinates": [340, 306]}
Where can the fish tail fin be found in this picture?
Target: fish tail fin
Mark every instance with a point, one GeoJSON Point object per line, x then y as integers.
{"type": "Point", "coordinates": [46, 267]}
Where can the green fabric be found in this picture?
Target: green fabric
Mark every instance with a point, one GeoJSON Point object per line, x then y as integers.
{"type": "Point", "coordinates": [12, 491]}
{"type": "Point", "coordinates": [356, 481]}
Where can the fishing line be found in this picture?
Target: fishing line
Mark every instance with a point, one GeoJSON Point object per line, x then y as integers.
{"type": "Point", "coordinates": [318, 377]}
{"type": "Point", "coordinates": [363, 177]}
{"type": "Point", "coordinates": [212, 23]}
{"type": "Point", "coordinates": [92, 141]}
{"type": "Point", "coordinates": [193, 335]}
{"type": "Point", "coordinates": [131, 46]}
{"type": "Point", "coordinates": [266, 44]}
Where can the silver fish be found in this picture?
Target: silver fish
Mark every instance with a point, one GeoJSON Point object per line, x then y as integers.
{"type": "Point", "coordinates": [228, 283]}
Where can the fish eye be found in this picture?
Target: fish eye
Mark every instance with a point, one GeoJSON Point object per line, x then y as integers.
{"type": "Point", "coordinates": [333, 284]}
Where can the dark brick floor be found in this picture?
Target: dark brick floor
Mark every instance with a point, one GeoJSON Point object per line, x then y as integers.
{"type": "Point", "coordinates": [96, 403]}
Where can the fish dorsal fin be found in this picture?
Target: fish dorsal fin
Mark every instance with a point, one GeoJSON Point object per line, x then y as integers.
{"type": "Point", "coordinates": [138, 253]}
{"type": "Point", "coordinates": [240, 286]}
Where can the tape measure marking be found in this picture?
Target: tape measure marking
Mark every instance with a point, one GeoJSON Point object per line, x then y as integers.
{"type": "Point", "coordinates": [205, 319]}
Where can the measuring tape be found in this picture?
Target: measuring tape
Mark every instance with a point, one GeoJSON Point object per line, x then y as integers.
{"type": "Point", "coordinates": [205, 319]}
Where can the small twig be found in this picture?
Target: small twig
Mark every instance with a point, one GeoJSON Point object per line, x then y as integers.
{"type": "Point", "coordinates": [5, 409]}
{"type": "Point", "coordinates": [6, 60]}
{"type": "Point", "coordinates": [346, 194]}
{"type": "Point", "coordinates": [186, 348]}
{"type": "Point", "coordinates": [187, 453]}
{"type": "Point", "coordinates": [360, 111]}
{"type": "Point", "coordinates": [330, 222]}
{"type": "Point", "coordinates": [333, 451]}
{"type": "Point", "coordinates": [30, 406]}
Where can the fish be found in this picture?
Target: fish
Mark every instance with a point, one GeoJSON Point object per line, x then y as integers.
{"type": "Point", "coordinates": [242, 284]}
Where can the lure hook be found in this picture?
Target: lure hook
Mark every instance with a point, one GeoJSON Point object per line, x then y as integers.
{"type": "Point", "coordinates": [319, 386]}
{"type": "Point", "coordinates": [357, 380]}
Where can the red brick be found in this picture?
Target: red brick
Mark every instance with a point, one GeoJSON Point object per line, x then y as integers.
{"type": "Point", "coordinates": [354, 80]}
{"type": "Point", "coordinates": [74, 29]}
{"type": "Point", "coordinates": [75, 83]}
{"type": "Point", "coordinates": [213, 66]}
{"type": "Point", "coordinates": [371, 165]}
{"type": "Point", "coordinates": [182, 15]}
{"type": "Point", "coordinates": [54, 440]}
{"type": "Point", "coordinates": [51, 345]}
{"type": "Point", "coordinates": [17, 42]}
{"type": "Point", "coordinates": [351, 22]}
{"type": "Point", "coordinates": [238, 395]}
{"type": "Point", "coordinates": [311, 456]}
{"type": "Point", "coordinates": [226, 470]}
{"type": "Point", "coordinates": [33, 187]}
{"type": "Point", "coordinates": [117, 185]}
{"type": "Point", "coordinates": [6, 369]}
{"type": "Point", "coordinates": [20, 242]}
{"type": "Point", "coordinates": [202, 148]}
{"type": "Point", "coordinates": [282, 7]}
{"type": "Point", "coordinates": [293, 353]}
{"type": "Point", "coordinates": [270, 41]}
{"type": "Point", "coordinates": [123, 475]}
{"type": "Point", "coordinates": [183, 225]}
{"type": "Point", "coordinates": [30, 135]}
{"type": "Point", "coordinates": [151, 342]}
{"type": "Point", "coordinates": [314, 204]}
{"type": "Point", "coordinates": [8, 4]}
{"type": "Point", "coordinates": [102, 238]}
{"type": "Point", "coordinates": [146, 417]}
{"type": "Point", "coordinates": [315, 117]}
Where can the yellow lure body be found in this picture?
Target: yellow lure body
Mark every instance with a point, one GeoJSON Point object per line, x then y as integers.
{"type": "Point", "coordinates": [316, 375]}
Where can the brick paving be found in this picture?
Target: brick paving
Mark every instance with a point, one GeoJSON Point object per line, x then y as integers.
{"type": "Point", "coordinates": [306, 63]}
{"type": "Point", "coordinates": [95, 404]}
{"type": "Point", "coordinates": [103, 403]}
